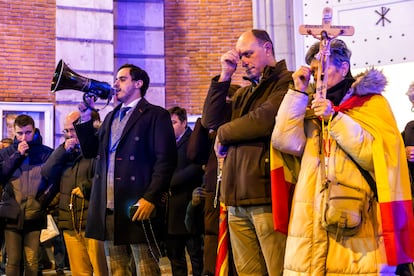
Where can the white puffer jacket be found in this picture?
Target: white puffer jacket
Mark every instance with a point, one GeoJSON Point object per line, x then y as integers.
{"type": "Point", "coordinates": [310, 250]}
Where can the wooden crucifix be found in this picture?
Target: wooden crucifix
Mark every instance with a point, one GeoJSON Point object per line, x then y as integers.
{"type": "Point", "coordinates": [325, 33]}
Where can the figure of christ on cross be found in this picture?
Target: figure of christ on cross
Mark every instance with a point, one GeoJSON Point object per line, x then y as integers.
{"type": "Point", "coordinates": [325, 33]}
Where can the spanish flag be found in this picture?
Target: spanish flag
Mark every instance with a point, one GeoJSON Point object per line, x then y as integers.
{"type": "Point", "coordinates": [284, 170]}
{"type": "Point", "coordinates": [391, 174]}
{"type": "Point", "coordinates": [222, 260]}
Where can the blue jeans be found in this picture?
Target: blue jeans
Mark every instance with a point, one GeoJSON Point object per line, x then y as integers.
{"type": "Point", "coordinates": [18, 242]}
{"type": "Point", "coordinates": [251, 230]}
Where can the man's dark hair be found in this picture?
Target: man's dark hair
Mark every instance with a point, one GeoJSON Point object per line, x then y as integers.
{"type": "Point", "coordinates": [180, 112]}
{"type": "Point", "coordinates": [138, 74]}
{"type": "Point", "coordinates": [24, 120]}
{"type": "Point", "coordinates": [263, 37]}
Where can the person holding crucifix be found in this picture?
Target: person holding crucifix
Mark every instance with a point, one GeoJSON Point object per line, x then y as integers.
{"type": "Point", "coordinates": [351, 210]}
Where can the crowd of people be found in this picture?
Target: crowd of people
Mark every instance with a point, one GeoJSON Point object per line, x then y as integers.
{"type": "Point", "coordinates": [142, 185]}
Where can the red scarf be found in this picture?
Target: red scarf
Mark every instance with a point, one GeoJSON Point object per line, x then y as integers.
{"type": "Point", "coordinates": [353, 101]}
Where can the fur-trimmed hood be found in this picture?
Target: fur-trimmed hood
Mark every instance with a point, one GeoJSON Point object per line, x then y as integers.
{"type": "Point", "coordinates": [372, 81]}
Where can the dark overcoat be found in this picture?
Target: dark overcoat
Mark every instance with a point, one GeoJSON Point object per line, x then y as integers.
{"type": "Point", "coordinates": [187, 176]}
{"type": "Point", "coordinates": [145, 159]}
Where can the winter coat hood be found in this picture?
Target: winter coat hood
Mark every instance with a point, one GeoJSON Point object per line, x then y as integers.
{"type": "Point", "coordinates": [372, 81]}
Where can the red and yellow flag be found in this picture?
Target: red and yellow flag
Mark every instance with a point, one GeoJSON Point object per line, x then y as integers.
{"type": "Point", "coordinates": [283, 176]}
{"type": "Point", "coordinates": [222, 261]}
{"type": "Point", "coordinates": [391, 175]}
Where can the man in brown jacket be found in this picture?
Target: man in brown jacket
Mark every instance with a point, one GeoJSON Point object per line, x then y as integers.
{"type": "Point", "coordinates": [244, 142]}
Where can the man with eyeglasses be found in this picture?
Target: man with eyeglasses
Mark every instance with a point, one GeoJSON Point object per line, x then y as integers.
{"type": "Point", "coordinates": [68, 130]}
{"type": "Point", "coordinates": [20, 173]}
{"type": "Point", "coordinates": [75, 173]}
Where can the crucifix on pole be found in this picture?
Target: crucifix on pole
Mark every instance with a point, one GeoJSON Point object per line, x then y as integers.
{"type": "Point", "coordinates": [325, 33]}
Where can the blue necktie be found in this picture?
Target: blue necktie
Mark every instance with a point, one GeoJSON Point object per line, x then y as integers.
{"type": "Point", "coordinates": [123, 112]}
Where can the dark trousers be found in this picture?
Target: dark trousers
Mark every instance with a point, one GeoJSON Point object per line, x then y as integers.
{"type": "Point", "coordinates": [405, 269]}
{"type": "Point", "coordinates": [21, 244]}
{"type": "Point", "coordinates": [211, 227]}
{"type": "Point", "coordinates": [176, 245]}
{"type": "Point", "coordinates": [59, 251]}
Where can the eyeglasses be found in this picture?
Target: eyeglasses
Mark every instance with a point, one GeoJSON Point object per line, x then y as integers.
{"type": "Point", "coordinates": [68, 130]}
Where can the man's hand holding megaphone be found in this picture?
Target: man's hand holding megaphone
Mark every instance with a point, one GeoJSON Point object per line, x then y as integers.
{"type": "Point", "coordinates": [85, 109]}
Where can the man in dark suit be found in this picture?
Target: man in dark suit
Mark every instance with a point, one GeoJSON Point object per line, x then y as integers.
{"type": "Point", "coordinates": [186, 177]}
{"type": "Point", "coordinates": [135, 155]}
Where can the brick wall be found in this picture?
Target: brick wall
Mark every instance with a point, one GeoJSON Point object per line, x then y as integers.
{"type": "Point", "coordinates": [197, 33]}
{"type": "Point", "coordinates": [27, 56]}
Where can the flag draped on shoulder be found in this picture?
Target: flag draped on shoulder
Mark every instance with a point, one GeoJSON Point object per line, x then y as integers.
{"type": "Point", "coordinates": [391, 174]}
{"type": "Point", "coordinates": [284, 169]}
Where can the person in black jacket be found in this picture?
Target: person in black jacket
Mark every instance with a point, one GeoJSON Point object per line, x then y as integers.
{"type": "Point", "coordinates": [186, 177]}
{"type": "Point", "coordinates": [68, 167]}
{"type": "Point", "coordinates": [20, 174]}
{"type": "Point", "coordinates": [200, 150]}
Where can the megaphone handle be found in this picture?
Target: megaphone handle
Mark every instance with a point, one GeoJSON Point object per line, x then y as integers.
{"type": "Point", "coordinates": [86, 98]}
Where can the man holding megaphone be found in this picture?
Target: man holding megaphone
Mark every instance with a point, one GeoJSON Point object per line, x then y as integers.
{"type": "Point", "coordinates": [136, 155]}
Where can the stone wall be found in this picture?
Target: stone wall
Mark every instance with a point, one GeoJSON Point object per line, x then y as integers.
{"type": "Point", "coordinates": [84, 41]}
{"type": "Point", "coordinates": [139, 39]}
